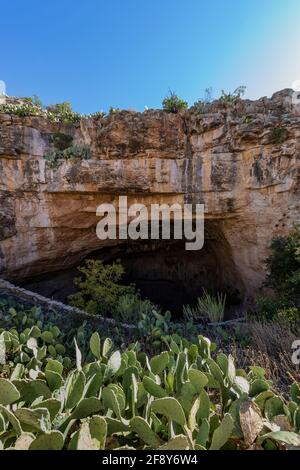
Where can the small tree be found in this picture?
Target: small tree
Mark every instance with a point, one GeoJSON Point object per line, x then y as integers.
{"type": "Point", "coordinates": [99, 287]}
{"type": "Point", "coordinates": [283, 265]}
{"type": "Point", "coordinates": [174, 104]}
{"type": "Point", "coordinates": [61, 108]}
{"type": "Point", "coordinates": [234, 96]}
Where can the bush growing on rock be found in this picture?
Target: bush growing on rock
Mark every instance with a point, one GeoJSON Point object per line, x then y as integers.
{"type": "Point", "coordinates": [100, 289]}
{"type": "Point", "coordinates": [283, 264]}
{"type": "Point", "coordinates": [173, 104]}
{"type": "Point", "coordinates": [234, 96]}
{"type": "Point", "coordinates": [283, 276]}
{"type": "Point", "coordinates": [76, 151]}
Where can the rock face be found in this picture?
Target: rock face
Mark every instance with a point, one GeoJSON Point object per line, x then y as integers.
{"type": "Point", "coordinates": [240, 159]}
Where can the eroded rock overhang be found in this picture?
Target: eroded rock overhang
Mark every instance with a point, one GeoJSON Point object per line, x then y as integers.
{"type": "Point", "coordinates": [230, 159]}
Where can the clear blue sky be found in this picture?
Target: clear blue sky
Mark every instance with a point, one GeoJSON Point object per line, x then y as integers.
{"type": "Point", "coordinates": [128, 53]}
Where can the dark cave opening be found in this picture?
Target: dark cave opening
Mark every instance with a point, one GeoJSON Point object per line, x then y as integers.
{"type": "Point", "coordinates": [163, 271]}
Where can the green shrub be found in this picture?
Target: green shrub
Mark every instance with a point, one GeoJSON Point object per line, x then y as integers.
{"type": "Point", "coordinates": [290, 315]}
{"type": "Point", "coordinates": [267, 307]}
{"type": "Point", "coordinates": [100, 292]}
{"type": "Point", "coordinates": [61, 108]}
{"type": "Point", "coordinates": [76, 151]}
{"type": "Point", "coordinates": [99, 287]}
{"type": "Point", "coordinates": [174, 104]}
{"type": "Point", "coordinates": [201, 105]}
{"type": "Point", "coordinates": [130, 308]}
{"type": "Point", "coordinates": [283, 265]}
{"type": "Point", "coordinates": [278, 135]}
{"type": "Point", "coordinates": [207, 306]}
{"type": "Point", "coordinates": [234, 96]}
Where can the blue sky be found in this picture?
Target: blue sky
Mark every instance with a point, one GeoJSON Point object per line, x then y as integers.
{"type": "Point", "coordinates": [129, 53]}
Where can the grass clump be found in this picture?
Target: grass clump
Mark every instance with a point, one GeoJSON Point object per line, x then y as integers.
{"type": "Point", "coordinates": [208, 307]}
{"type": "Point", "coordinates": [234, 96]}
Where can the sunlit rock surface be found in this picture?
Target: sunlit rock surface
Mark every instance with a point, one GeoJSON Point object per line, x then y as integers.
{"type": "Point", "coordinates": [241, 160]}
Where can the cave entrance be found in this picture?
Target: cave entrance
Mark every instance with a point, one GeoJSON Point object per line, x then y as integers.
{"type": "Point", "coordinates": [164, 271]}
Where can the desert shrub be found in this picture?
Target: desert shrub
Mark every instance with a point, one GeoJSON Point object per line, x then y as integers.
{"type": "Point", "coordinates": [272, 341]}
{"type": "Point", "coordinates": [99, 287]}
{"type": "Point", "coordinates": [278, 135]}
{"type": "Point", "coordinates": [247, 119]}
{"type": "Point", "coordinates": [173, 104]}
{"type": "Point", "coordinates": [200, 106]}
{"type": "Point", "coordinates": [290, 315]}
{"type": "Point", "coordinates": [283, 265]}
{"type": "Point", "coordinates": [234, 96]}
{"type": "Point", "coordinates": [35, 100]}
{"type": "Point", "coordinates": [100, 292]}
{"type": "Point", "coordinates": [283, 276]}
{"type": "Point", "coordinates": [76, 151]}
{"type": "Point", "coordinates": [61, 141]}
{"type": "Point", "coordinates": [27, 99]}
{"type": "Point", "coordinates": [61, 108]}
{"type": "Point", "coordinates": [207, 306]}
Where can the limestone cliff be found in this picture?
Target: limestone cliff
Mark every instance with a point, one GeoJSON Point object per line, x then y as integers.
{"type": "Point", "coordinates": [241, 160]}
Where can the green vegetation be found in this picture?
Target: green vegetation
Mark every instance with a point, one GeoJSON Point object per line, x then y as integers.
{"type": "Point", "coordinates": [100, 292]}
{"type": "Point", "coordinates": [22, 110]}
{"type": "Point", "coordinates": [201, 105]}
{"type": "Point", "coordinates": [75, 152]}
{"type": "Point", "coordinates": [99, 287]}
{"type": "Point", "coordinates": [63, 112]}
{"type": "Point", "coordinates": [61, 141]}
{"type": "Point", "coordinates": [208, 306]}
{"type": "Point", "coordinates": [234, 96]}
{"type": "Point", "coordinates": [283, 277]}
{"type": "Point", "coordinates": [283, 264]}
{"type": "Point", "coordinates": [173, 104]}
{"type": "Point", "coordinates": [58, 113]}
{"type": "Point", "coordinates": [278, 135]}
{"type": "Point", "coordinates": [185, 397]}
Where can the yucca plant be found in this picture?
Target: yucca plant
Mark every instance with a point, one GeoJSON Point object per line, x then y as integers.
{"type": "Point", "coordinates": [207, 306]}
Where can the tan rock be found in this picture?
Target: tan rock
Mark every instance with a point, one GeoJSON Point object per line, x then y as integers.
{"type": "Point", "coordinates": [227, 158]}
